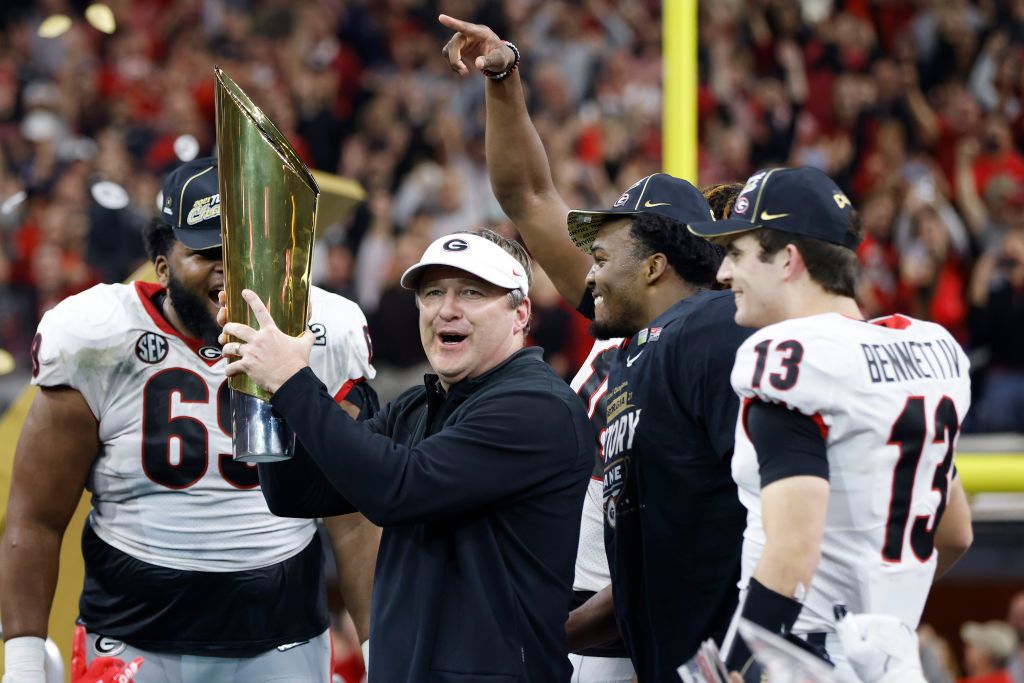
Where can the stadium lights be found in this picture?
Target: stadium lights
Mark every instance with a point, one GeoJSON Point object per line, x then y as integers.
{"type": "Point", "coordinates": [99, 16]}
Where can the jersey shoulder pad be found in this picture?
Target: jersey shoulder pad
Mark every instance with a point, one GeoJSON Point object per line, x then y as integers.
{"type": "Point", "coordinates": [797, 363]}
{"type": "Point", "coordinates": [85, 332]}
{"type": "Point", "coordinates": [342, 349]}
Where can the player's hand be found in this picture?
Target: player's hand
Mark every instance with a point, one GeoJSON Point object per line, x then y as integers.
{"type": "Point", "coordinates": [222, 313]}
{"type": "Point", "coordinates": [881, 648]}
{"type": "Point", "coordinates": [102, 669]}
{"type": "Point", "coordinates": [475, 43]}
{"type": "Point", "coordinates": [268, 355]}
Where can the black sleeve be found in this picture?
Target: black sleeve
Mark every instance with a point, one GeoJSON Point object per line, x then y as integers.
{"type": "Point", "coordinates": [486, 457]}
{"type": "Point", "coordinates": [788, 443]}
{"type": "Point", "coordinates": [362, 396]}
{"type": "Point", "coordinates": [297, 488]}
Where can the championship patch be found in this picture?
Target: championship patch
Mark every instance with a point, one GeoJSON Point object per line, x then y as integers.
{"type": "Point", "coordinates": [151, 348]}
{"type": "Point", "coordinates": [106, 646]}
{"type": "Point", "coordinates": [204, 209]}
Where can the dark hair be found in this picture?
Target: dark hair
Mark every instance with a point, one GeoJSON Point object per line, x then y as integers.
{"type": "Point", "coordinates": [721, 197]}
{"type": "Point", "coordinates": [834, 267]}
{"type": "Point", "coordinates": [693, 258]}
{"type": "Point", "coordinates": [158, 238]}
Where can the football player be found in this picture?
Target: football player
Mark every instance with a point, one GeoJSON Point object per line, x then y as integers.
{"type": "Point", "coordinates": [521, 177]}
{"type": "Point", "coordinates": [185, 565]}
{"type": "Point", "coordinates": [845, 439]}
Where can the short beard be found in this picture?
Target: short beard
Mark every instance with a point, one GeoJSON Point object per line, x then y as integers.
{"type": "Point", "coordinates": [193, 313]}
{"type": "Point", "coordinates": [612, 330]}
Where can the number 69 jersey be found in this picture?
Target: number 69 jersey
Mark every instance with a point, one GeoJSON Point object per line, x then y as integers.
{"type": "Point", "coordinates": [165, 489]}
{"type": "Point", "coordinates": [889, 397]}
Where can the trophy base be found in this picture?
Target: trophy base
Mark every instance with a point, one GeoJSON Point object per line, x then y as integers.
{"type": "Point", "coordinates": [259, 435]}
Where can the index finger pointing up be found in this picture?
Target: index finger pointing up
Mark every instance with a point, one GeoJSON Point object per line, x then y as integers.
{"type": "Point", "coordinates": [456, 24]}
{"type": "Point", "coordinates": [258, 309]}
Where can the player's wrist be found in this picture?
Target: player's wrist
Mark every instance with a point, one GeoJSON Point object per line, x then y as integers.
{"type": "Point", "coordinates": [25, 660]}
{"type": "Point", "coordinates": [507, 71]}
{"type": "Point", "coordinates": [769, 609]}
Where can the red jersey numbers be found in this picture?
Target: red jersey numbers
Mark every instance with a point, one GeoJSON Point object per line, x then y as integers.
{"type": "Point", "coordinates": [784, 361]}
{"type": "Point", "coordinates": [160, 428]}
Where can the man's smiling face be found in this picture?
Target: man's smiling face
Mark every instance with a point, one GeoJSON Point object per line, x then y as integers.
{"type": "Point", "coordinates": [467, 325]}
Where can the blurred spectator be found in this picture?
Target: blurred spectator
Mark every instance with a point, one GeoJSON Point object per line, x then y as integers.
{"type": "Point", "coordinates": [878, 289]}
{"type": "Point", "coordinates": [933, 270]}
{"type": "Point", "coordinates": [1015, 617]}
{"type": "Point", "coordinates": [337, 264]}
{"type": "Point", "coordinates": [937, 660]}
{"type": "Point", "coordinates": [996, 324]}
{"type": "Point", "coordinates": [916, 108]}
{"type": "Point", "coordinates": [988, 647]}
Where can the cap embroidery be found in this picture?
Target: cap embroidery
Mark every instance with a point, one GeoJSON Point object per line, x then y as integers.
{"type": "Point", "coordinates": [204, 209]}
{"type": "Point", "coordinates": [455, 245]}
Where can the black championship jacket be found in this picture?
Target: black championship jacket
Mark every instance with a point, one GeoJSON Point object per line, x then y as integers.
{"type": "Point", "coordinates": [479, 493]}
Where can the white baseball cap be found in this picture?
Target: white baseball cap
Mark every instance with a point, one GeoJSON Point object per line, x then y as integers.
{"type": "Point", "coordinates": [474, 254]}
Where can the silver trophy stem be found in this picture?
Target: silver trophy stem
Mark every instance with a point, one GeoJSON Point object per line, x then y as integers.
{"type": "Point", "coordinates": [259, 435]}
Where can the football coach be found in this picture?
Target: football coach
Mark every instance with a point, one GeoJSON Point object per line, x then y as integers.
{"type": "Point", "coordinates": [476, 476]}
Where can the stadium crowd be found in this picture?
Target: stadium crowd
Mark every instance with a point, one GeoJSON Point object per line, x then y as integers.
{"type": "Point", "coordinates": [915, 107]}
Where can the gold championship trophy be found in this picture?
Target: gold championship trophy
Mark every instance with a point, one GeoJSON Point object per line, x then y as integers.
{"type": "Point", "coordinates": [268, 208]}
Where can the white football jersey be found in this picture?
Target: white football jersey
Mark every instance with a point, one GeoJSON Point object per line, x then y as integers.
{"type": "Point", "coordinates": [164, 487]}
{"type": "Point", "coordinates": [591, 384]}
{"type": "Point", "coordinates": [889, 396]}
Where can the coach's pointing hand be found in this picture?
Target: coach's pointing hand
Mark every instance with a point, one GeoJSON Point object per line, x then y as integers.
{"type": "Point", "coordinates": [268, 355]}
{"type": "Point", "coordinates": [476, 43]}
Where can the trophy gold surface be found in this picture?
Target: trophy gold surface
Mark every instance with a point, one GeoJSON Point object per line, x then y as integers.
{"type": "Point", "coordinates": [268, 212]}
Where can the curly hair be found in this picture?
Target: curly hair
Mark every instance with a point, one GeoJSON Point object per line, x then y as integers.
{"type": "Point", "coordinates": [721, 197]}
{"type": "Point", "coordinates": [158, 238]}
{"type": "Point", "coordinates": [693, 258]}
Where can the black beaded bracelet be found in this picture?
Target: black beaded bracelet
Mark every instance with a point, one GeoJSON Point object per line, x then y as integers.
{"type": "Point", "coordinates": [502, 75]}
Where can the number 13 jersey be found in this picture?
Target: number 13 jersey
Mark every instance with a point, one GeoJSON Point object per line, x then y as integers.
{"type": "Point", "coordinates": [889, 397]}
{"type": "Point", "coordinates": [165, 489]}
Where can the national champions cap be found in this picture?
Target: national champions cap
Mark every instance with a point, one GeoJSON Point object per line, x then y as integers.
{"type": "Point", "coordinates": [660, 194]}
{"type": "Point", "coordinates": [801, 200]}
{"type": "Point", "coordinates": [191, 203]}
{"type": "Point", "coordinates": [474, 254]}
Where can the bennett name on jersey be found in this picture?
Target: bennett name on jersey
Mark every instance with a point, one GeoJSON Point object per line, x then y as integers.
{"type": "Point", "coordinates": [905, 361]}
{"type": "Point", "coordinates": [845, 441]}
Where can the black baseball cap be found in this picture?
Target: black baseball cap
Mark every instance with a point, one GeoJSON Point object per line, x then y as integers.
{"type": "Point", "coordinates": [659, 193]}
{"type": "Point", "coordinates": [191, 203]}
{"type": "Point", "coordinates": [800, 200]}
